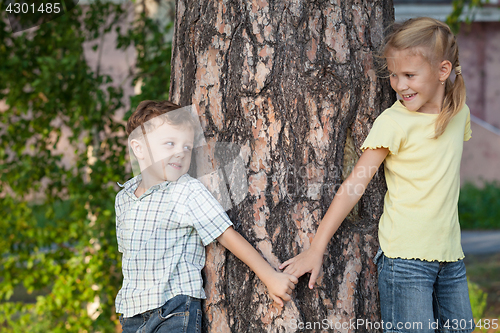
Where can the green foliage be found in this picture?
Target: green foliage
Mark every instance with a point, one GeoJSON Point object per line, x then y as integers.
{"type": "Point", "coordinates": [479, 208]}
{"type": "Point", "coordinates": [153, 59]}
{"type": "Point", "coordinates": [57, 219]}
{"type": "Point", "coordinates": [477, 299]}
{"type": "Point", "coordinates": [460, 8]}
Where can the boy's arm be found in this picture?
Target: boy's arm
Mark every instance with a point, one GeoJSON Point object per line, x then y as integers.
{"type": "Point", "coordinates": [280, 285]}
{"type": "Point", "coordinates": [347, 196]}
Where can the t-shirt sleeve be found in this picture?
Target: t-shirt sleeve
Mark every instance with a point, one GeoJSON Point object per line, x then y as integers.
{"type": "Point", "coordinates": [207, 215]}
{"type": "Point", "coordinates": [385, 133]}
{"type": "Point", "coordinates": [468, 130]}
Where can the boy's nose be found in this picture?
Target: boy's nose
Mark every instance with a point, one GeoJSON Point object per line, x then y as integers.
{"type": "Point", "coordinates": [180, 153]}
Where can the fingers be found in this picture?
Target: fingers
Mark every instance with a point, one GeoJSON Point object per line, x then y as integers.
{"type": "Point", "coordinates": [286, 263]}
{"type": "Point", "coordinates": [286, 287]}
{"type": "Point", "coordinates": [312, 279]}
{"type": "Point", "coordinates": [277, 300]}
{"type": "Point", "coordinates": [296, 270]}
{"type": "Point", "coordinates": [292, 270]}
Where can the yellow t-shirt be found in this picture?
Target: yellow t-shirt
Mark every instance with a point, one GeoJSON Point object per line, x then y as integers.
{"type": "Point", "coordinates": [420, 218]}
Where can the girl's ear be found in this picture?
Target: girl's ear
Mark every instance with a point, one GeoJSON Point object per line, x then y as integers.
{"type": "Point", "coordinates": [445, 68]}
{"type": "Point", "coordinates": [137, 148]}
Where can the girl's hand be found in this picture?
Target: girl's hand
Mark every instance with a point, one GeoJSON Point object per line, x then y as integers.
{"type": "Point", "coordinates": [281, 286]}
{"type": "Point", "coordinates": [347, 196]}
{"type": "Point", "coordinates": [309, 261]}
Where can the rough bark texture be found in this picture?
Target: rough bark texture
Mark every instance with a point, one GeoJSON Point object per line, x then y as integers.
{"type": "Point", "coordinates": [292, 82]}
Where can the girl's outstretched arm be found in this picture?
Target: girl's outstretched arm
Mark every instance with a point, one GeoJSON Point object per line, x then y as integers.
{"type": "Point", "coordinates": [347, 196]}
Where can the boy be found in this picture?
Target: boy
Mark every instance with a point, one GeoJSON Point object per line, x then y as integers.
{"type": "Point", "coordinates": [164, 218]}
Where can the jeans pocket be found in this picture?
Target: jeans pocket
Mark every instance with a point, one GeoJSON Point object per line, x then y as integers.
{"type": "Point", "coordinates": [174, 322]}
{"type": "Point", "coordinates": [176, 314]}
{"type": "Point", "coordinates": [174, 307]}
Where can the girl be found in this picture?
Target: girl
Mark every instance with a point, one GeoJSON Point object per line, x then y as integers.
{"type": "Point", "coordinates": [422, 282]}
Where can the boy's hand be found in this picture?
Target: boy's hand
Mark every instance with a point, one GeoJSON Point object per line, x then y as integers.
{"type": "Point", "coordinates": [280, 287]}
{"type": "Point", "coordinates": [308, 261]}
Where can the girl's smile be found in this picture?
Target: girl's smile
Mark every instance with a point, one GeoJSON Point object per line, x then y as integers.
{"type": "Point", "coordinates": [408, 97]}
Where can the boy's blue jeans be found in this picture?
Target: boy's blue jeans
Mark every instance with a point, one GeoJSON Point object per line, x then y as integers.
{"type": "Point", "coordinates": [423, 296]}
{"type": "Point", "coordinates": [181, 314]}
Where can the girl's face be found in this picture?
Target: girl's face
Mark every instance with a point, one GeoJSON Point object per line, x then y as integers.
{"type": "Point", "coordinates": [415, 80]}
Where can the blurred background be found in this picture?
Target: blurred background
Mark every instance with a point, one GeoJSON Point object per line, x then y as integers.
{"type": "Point", "coordinates": [478, 26]}
{"type": "Point", "coordinates": [66, 88]}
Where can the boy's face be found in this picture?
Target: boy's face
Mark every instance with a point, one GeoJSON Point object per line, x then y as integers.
{"type": "Point", "coordinates": [166, 151]}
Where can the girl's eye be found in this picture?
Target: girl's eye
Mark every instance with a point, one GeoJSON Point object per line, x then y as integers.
{"type": "Point", "coordinates": [188, 148]}
{"type": "Point", "coordinates": [170, 143]}
{"type": "Point", "coordinates": [410, 75]}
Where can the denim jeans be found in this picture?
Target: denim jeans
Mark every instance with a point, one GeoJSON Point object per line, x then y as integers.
{"type": "Point", "coordinates": [181, 314]}
{"type": "Point", "coordinates": [423, 296]}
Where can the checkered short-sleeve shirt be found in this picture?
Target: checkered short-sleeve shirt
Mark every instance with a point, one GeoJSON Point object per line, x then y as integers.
{"type": "Point", "coordinates": [162, 236]}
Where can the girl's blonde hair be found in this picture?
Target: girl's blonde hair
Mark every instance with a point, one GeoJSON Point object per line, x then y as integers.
{"type": "Point", "coordinates": [438, 43]}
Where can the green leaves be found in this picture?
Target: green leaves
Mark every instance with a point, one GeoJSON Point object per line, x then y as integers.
{"type": "Point", "coordinates": [478, 206]}
{"type": "Point", "coordinates": [477, 300]}
{"type": "Point", "coordinates": [462, 8]}
{"type": "Point", "coordinates": [58, 218]}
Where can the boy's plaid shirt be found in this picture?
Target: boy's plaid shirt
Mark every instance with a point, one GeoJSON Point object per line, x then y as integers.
{"type": "Point", "coordinates": [162, 236]}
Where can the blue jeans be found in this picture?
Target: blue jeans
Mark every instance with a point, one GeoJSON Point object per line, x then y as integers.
{"type": "Point", "coordinates": [423, 296]}
{"type": "Point", "coordinates": [181, 314]}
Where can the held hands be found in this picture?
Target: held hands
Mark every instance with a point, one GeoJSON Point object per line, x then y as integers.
{"type": "Point", "coordinates": [280, 286]}
{"type": "Point", "coordinates": [309, 261]}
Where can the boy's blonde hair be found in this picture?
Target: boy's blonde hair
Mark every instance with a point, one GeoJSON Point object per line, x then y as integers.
{"type": "Point", "coordinates": [438, 43]}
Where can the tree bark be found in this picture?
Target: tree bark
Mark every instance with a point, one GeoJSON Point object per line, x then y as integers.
{"type": "Point", "coordinates": [294, 84]}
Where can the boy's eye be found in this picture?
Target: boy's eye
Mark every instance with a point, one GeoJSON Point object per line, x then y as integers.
{"type": "Point", "coordinates": [169, 143]}
{"type": "Point", "coordinates": [188, 148]}
{"type": "Point", "coordinates": [410, 75]}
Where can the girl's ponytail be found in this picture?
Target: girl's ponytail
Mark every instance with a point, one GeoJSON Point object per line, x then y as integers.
{"type": "Point", "coordinates": [454, 96]}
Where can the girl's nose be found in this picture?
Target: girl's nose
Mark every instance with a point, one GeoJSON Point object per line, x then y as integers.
{"type": "Point", "coordinates": [402, 86]}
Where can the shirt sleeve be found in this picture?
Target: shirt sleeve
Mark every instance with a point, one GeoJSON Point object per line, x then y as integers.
{"type": "Point", "coordinates": [468, 130]}
{"type": "Point", "coordinates": [385, 133]}
{"type": "Point", "coordinates": [207, 215]}
{"type": "Point", "coordinates": [118, 213]}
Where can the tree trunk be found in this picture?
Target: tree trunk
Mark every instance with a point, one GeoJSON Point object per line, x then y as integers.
{"type": "Point", "coordinates": [294, 84]}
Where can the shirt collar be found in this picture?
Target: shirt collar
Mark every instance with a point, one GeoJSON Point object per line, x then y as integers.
{"type": "Point", "coordinates": [131, 185]}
